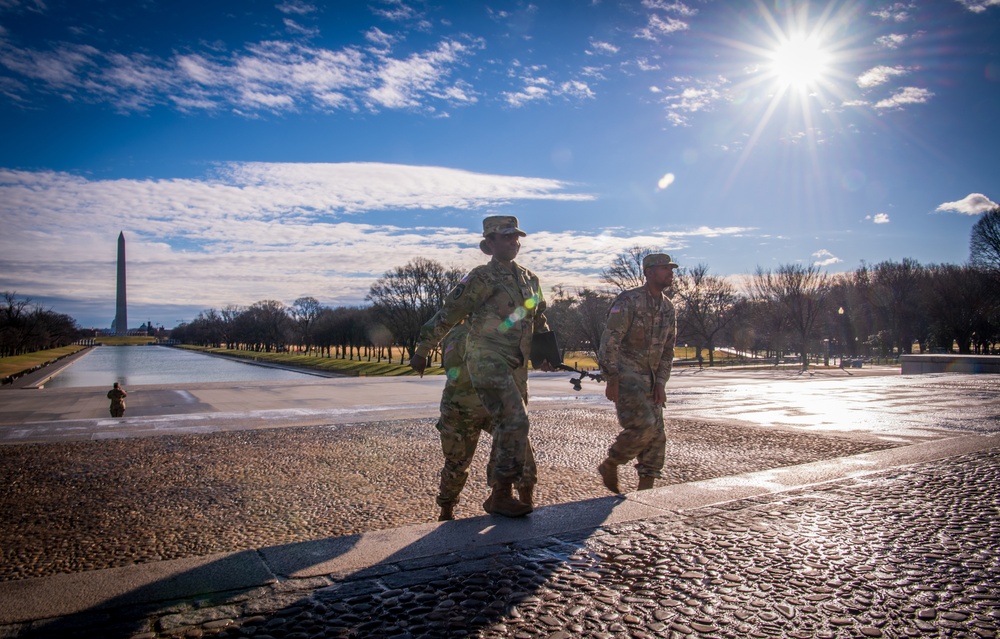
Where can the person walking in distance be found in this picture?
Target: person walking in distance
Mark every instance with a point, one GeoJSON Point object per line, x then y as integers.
{"type": "Point", "coordinates": [636, 355]}
{"type": "Point", "coordinates": [502, 302]}
{"type": "Point", "coordinates": [117, 396]}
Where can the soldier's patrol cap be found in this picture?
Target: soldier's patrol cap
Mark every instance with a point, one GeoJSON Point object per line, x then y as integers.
{"type": "Point", "coordinates": [657, 259]}
{"type": "Point", "coordinates": [502, 224]}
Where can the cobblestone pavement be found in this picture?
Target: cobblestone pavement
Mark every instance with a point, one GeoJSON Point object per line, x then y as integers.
{"type": "Point", "coordinates": [71, 507]}
{"type": "Point", "coordinates": [908, 552]}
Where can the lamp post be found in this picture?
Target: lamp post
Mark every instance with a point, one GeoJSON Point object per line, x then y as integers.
{"type": "Point", "coordinates": [840, 313]}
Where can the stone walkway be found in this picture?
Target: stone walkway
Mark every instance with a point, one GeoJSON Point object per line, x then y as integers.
{"type": "Point", "coordinates": [887, 527]}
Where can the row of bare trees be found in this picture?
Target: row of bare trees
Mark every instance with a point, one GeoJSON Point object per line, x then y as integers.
{"type": "Point", "coordinates": [876, 311]}
{"type": "Point", "coordinates": [26, 327]}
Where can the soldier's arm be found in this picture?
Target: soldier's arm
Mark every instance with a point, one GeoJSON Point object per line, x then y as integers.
{"type": "Point", "coordinates": [667, 357]}
{"type": "Point", "coordinates": [541, 323]}
{"type": "Point", "coordinates": [619, 318]}
{"type": "Point", "coordinates": [459, 304]}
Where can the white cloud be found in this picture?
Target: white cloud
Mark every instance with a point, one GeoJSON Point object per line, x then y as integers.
{"type": "Point", "coordinates": [908, 95]}
{"type": "Point", "coordinates": [891, 41]}
{"type": "Point", "coordinates": [971, 204]}
{"type": "Point", "coordinates": [296, 7]}
{"type": "Point", "coordinates": [880, 218]}
{"type": "Point", "coordinates": [600, 47]}
{"type": "Point", "coordinates": [394, 10]}
{"type": "Point", "coordinates": [275, 231]}
{"type": "Point", "coordinates": [897, 12]}
{"type": "Point", "coordinates": [692, 96]}
{"type": "Point", "coordinates": [665, 181]}
{"type": "Point", "coordinates": [658, 26]}
{"type": "Point", "coordinates": [879, 75]}
{"type": "Point", "coordinates": [271, 76]}
{"type": "Point", "coordinates": [246, 232]}
{"type": "Point", "coordinates": [825, 258]}
{"type": "Point", "coordinates": [979, 6]}
{"type": "Point", "coordinates": [529, 94]}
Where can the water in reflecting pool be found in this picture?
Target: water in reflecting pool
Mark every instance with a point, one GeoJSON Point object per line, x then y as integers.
{"type": "Point", "coordinates": [138, 365]}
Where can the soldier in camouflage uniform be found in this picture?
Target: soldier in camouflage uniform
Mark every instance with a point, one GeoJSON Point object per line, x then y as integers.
{"type": "Point", "coordinates": [463, 417]}
{"type": "Point", "coordinates": [503, 305]}
{"type": "Point", "coordinates": [117, 396]}
{"type": "Point", "coordinates": [636, 355]}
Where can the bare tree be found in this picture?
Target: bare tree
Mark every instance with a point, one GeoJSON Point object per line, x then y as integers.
{"type": "Point", "coordinates": [708, 305]}
{"type": "Point", "coordinates": [304, 312]}
{"type": "Point", "coordinates": [962, 305]}
{"type": "Point", "coordinates": [798, 294]}
{"type": "Point", "coordinates": [407, 296]}
{"type": "Point", "coordinates": [984, 243]}
{"type": "Point", "coordinates": [895, 296]}
{"type": "Point", "coordinates": [27, 327]}
{"type": "Point", "coordinates": [626, 271]}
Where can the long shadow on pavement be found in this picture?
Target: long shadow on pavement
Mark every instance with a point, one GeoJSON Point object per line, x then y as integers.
{"type": "Point", "coordinates": [427, 580]}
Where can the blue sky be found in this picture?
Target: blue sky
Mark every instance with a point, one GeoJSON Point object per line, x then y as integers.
{"type": "Point", "coordinates": [257, 150]}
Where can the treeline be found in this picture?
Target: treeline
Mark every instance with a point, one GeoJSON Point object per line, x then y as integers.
{"type": "Point", "coordinates": [880, 311]}
{"type": "Point", "coordinates": [26, 327]}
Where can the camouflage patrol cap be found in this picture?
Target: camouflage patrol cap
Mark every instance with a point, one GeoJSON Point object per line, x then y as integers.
{"type": "Point", "coordinates": [502, 224]}
{"type": "Point", "coordinates": [657, 259]}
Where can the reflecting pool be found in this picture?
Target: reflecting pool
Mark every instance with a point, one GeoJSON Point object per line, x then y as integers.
{"type": "Point", "coordinates": [139, 365]}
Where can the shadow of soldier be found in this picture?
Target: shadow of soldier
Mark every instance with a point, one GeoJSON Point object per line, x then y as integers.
{"type": "Point", "coordinates": [440, 579]}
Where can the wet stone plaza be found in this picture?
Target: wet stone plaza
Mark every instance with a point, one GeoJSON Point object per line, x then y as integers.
{"type": "Point", "coordinates": [794, 506]}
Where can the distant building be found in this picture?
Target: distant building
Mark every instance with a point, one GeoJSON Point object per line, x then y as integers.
{"type": "Point", "coordinates": [120, 325]}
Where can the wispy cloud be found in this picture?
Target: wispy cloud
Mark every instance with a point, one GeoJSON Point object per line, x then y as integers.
{"type": "Point", "coordinates": [907, 95]}
{"type": "Point", "coordinates": [979, 6]}
{"type": "Point", "coordinates": [879, 218]}
{"type": "Point", "coordinates": [891, 41]}
{"type": "Point", "coordinates": [824, 257]}
{"type": "Point", "coordinates": [896, 12]}
{"type": "Point", "coordinates": [278, 231]}
{"type": "Point", "coordinates": [246, 232]}
{"type": "Point", "coordinates": [274, 76]}
{"type": "Point", "coordinates": [879, 75]}
{"type": "Point", "coordinates": [971, 204]}
{"type": "Point", "coordinates": [690, 95]}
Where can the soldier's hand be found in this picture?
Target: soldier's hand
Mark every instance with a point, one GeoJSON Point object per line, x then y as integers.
{"type": "Point", "coordinates": [659, 395]}
{"type": "Point", "coordinates": [611, 389]}
{"type": "Point", "coordinates": [418, 363]}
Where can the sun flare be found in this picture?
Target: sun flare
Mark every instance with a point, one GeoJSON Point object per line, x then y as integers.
{"type": "Point", "coordinates": [799, 62]}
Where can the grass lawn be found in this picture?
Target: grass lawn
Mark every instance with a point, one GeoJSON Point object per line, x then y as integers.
{"type": "Point", "coordinates": [18, 363]}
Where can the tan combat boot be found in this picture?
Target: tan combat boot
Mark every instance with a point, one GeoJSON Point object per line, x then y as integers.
{"type": "Point", "coordinates": [609, 474]}
{"type": "Point", "coordinates": [645, 483]}
{"type": "Point", "coordinates": [501, 502]}
{"type": "Point", "coordinates": [447, 512]}
{"type": "Point", "coordinates": [526, 495]}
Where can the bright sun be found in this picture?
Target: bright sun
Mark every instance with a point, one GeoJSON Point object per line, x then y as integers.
{"type": "Point", "coordinates": [799, 62]}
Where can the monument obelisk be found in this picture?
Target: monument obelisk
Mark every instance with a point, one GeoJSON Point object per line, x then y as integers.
{"type": "Point", "coordinates": [121, 312]}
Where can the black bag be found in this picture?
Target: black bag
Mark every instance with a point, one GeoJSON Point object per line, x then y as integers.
{"type": "Point", "coordinates": [545, 346]}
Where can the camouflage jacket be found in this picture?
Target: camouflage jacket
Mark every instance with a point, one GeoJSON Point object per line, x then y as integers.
{"type": "Point", "coordinates": [503, 310]}
{"type": "Point", "coordinates": [117, 396]}
{"type": "Point", "coordinates": [639, 337]}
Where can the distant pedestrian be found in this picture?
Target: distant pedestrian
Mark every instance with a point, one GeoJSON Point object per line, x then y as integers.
{"type": "Point", "coordinates": [117, 396]}
{"type": "Point", "coordinates": [636, 355]}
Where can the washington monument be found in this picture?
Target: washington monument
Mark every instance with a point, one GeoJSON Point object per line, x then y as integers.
{"type": "Point", "coordinates": [121, 312]}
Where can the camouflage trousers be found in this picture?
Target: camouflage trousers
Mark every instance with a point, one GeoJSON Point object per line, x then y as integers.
{"type": "Point", "coordinates": [459, 427]}
{"type": "Point", "coordinates": [642, 437]}
{"type": "Point", "coordinates": [117, 410]}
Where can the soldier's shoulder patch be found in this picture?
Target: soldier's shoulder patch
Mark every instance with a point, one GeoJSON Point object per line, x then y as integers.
{"type": "Point", "coordinates": [617, 308]}
{"type": "Point", "coordinates": [457, 293]}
